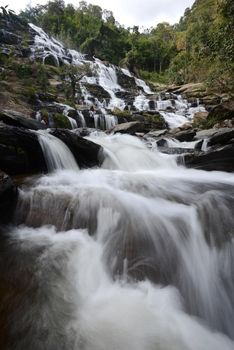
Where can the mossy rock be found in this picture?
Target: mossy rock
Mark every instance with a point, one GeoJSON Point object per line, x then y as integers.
{"type": "Point", "coordinates": [218, 114]}
{"type": "Point", "coordinates": [121, 114]}
{"type": "Point", "coordinates": [97, 91]}
{"type": "Point", "coordinates": [156, 120]}
{"type": "Point", "coordinates": [60, 121]}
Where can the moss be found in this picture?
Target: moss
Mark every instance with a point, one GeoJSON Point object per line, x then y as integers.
{"type": "Point", "coordinates": [23, 70]}
{"type": "Point", "coordinates": [29, 93]}
{"type": "Point", "coordinates": [123, 114]}
{"type": "Point", "coordinates": [155, 118]}
{"type": "Point", "coordinates": [61, 121]}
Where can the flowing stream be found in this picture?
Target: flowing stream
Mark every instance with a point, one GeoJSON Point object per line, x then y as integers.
{"type": "Point", "coordinates": [135, 255]}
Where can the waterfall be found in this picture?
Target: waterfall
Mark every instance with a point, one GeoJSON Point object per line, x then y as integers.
{"type": "Point", "coordinates": [174, 109]}
{"type": "Point", "coordinates": [137, 254]}
{"type": "Point", "coordinates": [57, 154]}
{"type": "Point", "coordinates": [73, 123]}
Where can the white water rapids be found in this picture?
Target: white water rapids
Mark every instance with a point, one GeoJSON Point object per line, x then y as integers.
{"type": "Point", "coordinates": [135, 255]}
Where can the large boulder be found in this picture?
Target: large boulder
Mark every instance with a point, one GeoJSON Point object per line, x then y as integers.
{"type": "Point", "coordinates": [8, 198]}
{"type": "Point", "coordinates": [221, 159]}
{"type": "Point", "coordinates": [186, 135]}
{"type": "Point", "coordinates": [20, 151]}
{"type": "Point", "coordinates": [128, 128]}
{"type": "Point", "coordinates": [218, 114]}
{"type": "Point", "coordinates": [86, 153]}
{"type": "Point", "coordinates": [222, 137]}
{"type": "Point", "coordinates": [14, 118]}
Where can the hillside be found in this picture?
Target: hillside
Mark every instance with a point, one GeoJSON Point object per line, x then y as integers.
{"type": "Point", "coordinates": [199, 48]}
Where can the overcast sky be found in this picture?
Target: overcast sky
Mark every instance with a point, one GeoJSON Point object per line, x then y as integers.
{"type": "Point", "coordinates": [144, 13]}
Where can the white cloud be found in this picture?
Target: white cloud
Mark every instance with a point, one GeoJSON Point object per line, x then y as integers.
{"type": "Point", "coordinates": [127, 12]}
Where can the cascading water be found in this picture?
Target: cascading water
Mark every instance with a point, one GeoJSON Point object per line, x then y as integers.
{"type": "Point", "coordinates": [137, 254]}
{"type": "Point", "coordinates": [174, 109]}
{"type": "Point", "coordinates": [57, 154]}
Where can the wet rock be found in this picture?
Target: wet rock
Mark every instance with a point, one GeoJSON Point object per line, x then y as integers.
{"type": "Point", "coordinates": [20, 151]}
{"type": "Point", "coordinates": [204, 134]}
{"type": "Point", "coordinates": [86, 153]}
{"type": "Point", "coordinates": [9, 38]}
{"type": "Point", "coordinates": [51, 60]}
{"type": "Point", "coordinates": [128, 128]}
{"type": "Point", "coordinates": [221, 159]}
{"type": "Point", "coordinates": [97, 91]}
{"type": "Point", "coordinates": [14, 118]}
{"type": "Point", "coordinates": [126, 81]}
{"type": "Point", "coordinates": [176, 150]}
{"type": "Point", "coordinates": [156, 133]}
{"type": "Point", "coordinates": [8, 198]}
{"type": "Point", "coordinates": [198, 145]}
{"type": "Point", "coordinates": [186, 135]}
{"type": "Point", "coordinates": [221, 137]}
{"type": "Point", "coordinates": [162, 143]}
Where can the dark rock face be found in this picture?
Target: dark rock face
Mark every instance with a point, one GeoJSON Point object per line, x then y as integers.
{"type": "Point", "coordinates": [20, 151]}
{"type": "Point", "coordinates": [221, 159]}
{"type": "Point", "coordinates": [97, 91]}
{"type": "Point", "coordinates": [51, 60]}
{"type": "Point", "coordinates": [125, 81]}
{"type": "Point", "coordinates": [186, 135]}
{"type": "Point", "coordinates": [9, 38]}
{"type": "Point", "coordinates": [8, 198]}
{"type": "Point", "coordinates": [86, 153]}
{"type": "Point", "coordinates": [14, 118]}
{"type": "Point", "coordinates": [221, 137]}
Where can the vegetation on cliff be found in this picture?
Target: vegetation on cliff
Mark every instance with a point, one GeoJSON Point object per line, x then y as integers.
{"type": "Point", "coordinates": [198, 48]}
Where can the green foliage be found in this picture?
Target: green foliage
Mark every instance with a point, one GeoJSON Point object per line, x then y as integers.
{"type": "Point", "coordinates": [119, 113]}
{"type": "Point", "coordinates": [23, 70]}
{"type": "Point", "coordinates": [61, 121]}
{"type": "Point", "coordinates": [70, 76]}
{"type": "Point", "coordinates": [201, 44]}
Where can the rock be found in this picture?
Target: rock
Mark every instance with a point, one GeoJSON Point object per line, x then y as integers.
{"type": "Point", "coordinates": [186, 126]}
{"type": "Point", "coordinates": [176, 150]}
{"type": "Point", "coordinates": [128, 128]}
{"type": "Point", "coordinates": [198, 145]}
{"type": "Point", "coordinates": [205, 134]}
{"type": "Point", "coordinates": [220, 113]}
{"type": "Point", "coordinates": [162, 143]}
{"type": "Point", "coordinates": [47, 97]}
{"type": "Point", "coordinates": [124, 95]}
{"type": "Point", "coordinates": [97, 91]}
{"type": "Point", "coordinates": [186, 135]}
{"type": "Point", "coordinates": [152, 105]}
{"type": "Point", "coordinates": [125, 81]}
{"type": "Point", "coordinates": [221, 137]}
{"type": "Point", "coordinates": [174, 131]}
{"type": "Point", "coordinates": [86, 153]}
{"type": "Point", "coordinates": [199, 117]}
{"type": "Point", "coordinates": [227, 123]}
{"type": "Point", "coordinates": [9, 38]}
{"type": "Point", "coordinates": [14, 118]}
{"type": "Point", "coordinates": [51, 60]}
{"type": "Point", "coordinates": [20, 151]}
{"type": "Point", "coordinates": [8, 198]}
{"type": "Point", "coordinates": [156, 133]}
{"type": "Point", "coordinates": [190, 89]}
{"type": "Point", "coordinates": [221, 159]}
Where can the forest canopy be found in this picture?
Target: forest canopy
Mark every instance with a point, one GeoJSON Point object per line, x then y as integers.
{"type": "Point", "coordinates": [198, 48]}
